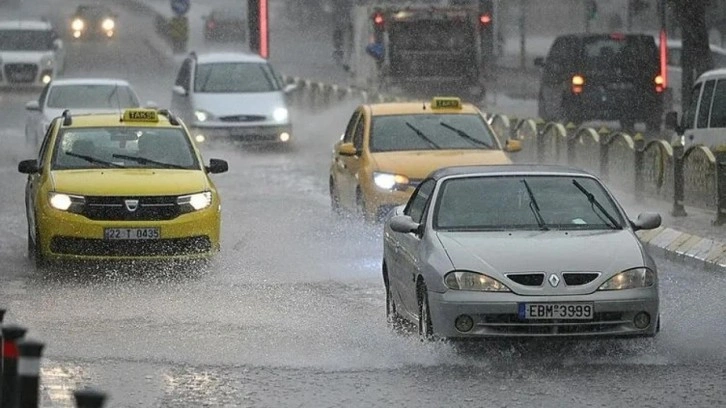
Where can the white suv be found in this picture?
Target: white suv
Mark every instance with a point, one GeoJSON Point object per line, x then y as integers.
{"type": "Point", "coordinates": [31, 54]}
{"type": "Point", "coordinates": [232, 96]}
{"type": "Point", "coordinates": [704, 121]}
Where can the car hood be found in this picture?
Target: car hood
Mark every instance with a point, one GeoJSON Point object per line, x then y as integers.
{"type": "Point", "coordinates": [129, 182]}
{"type": "Point", "coordinates": [552, 252]}
{"type": "Point", "coordinates": [420, 163]}
{"type": "Point", "coordinates": [12, 57]}
{"type": "Point", "coordinates": [231, 104]}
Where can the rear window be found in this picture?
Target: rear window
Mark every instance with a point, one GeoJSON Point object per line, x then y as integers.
{"type": "Point", "coordinates": [620, 51]}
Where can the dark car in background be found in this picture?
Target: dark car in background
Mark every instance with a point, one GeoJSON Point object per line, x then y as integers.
{"type": "Point", "coordinates": [225, 25]}
{"type": "Point", "coordinates": [602, 77]}
{"type": "Point", "coordinates": [93, 21]}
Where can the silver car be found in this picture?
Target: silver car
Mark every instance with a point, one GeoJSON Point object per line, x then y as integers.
{"type": "Point", "coordinates": [31, 54]}
{"type": "Point", "coordinates": [490, 251]}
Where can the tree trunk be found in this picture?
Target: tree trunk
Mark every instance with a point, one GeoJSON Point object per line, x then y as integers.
{"type": "Point", "coordinates": [696, 54]}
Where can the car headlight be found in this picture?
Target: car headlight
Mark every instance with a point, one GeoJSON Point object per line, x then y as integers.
{"type": "Point", "coordinates": [630, 279]}
{"type": "Point", "coordinates": [389, 181]}
{"type": "Point", "coordinates": [202, 116]}
{"type": "Point", "coordinates": [195, 202]}
{"type": "Point", "coordinates": [78, 24]}
{"type": "Point", "coordinates": [108, 24]}
{"type": "Point", "coordinates": [66, 202]}
{"type": "Point", "coordinates": [280, 115]}
{"type": "Point", "coordinates": [460, 280]}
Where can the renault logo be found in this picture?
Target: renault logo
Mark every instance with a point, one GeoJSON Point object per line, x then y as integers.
{"type": "Point", "coordinates": [131, 205]}
{"type": "Point", "coordinates": [554, 280]}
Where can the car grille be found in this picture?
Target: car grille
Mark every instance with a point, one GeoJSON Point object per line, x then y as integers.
{"type": "Point", "coordinates": [243, 118]}
{"type": "Point", "coordinates": [512, 324]}
{"type": "Point", "coordinates": [579, 278]}
{"type": "Point", "coordinates": [527, 279]}
{"type": "Point", "coordinates": [147, 247]}
{"type": "Point", "coordinates": [21, 73]}
{"type": "Point", "coordinates": [154, 208]}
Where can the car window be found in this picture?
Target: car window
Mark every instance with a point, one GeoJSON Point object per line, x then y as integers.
{"type": "Point", "coordinates": [185, 74]}
{"type": "Point", "coordinates": [430, 132]}
{"type": "Point", "coordinates": [348, 135]}
{"type": "Point", "coordinates": [43, 95]}
{"type": "Point", "coordinates": [26, 40]}
{"type": "Point", "coordinates": [91, 96]}
{"type": "Point", "coordinates": [625, 52]}
{"type": "Point", "coordinates": [44, 144]}
{"type": "Point", "coordinates": [130, 147]}
{"type": "Point", "coordinates": [233, 77]}
{"type": "Point", "coordinates": [359, 132]}
{"type": "Point", "coordinates": [704, 108]}
{"type": "Point", "coordinates": [503, 203]}
{"type": "Point", "coordinates": [417, 204]}
{"type": "Point", "coordinates": [718, 107]}
{"type": "Point", "coordinates": [674, 57]}
{"type": "Point", "coordinates": [689, 116]}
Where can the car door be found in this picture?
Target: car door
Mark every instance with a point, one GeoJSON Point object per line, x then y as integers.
{"type": "Point", "coordinates": [410, 252]}
{"type": "Point", "coordinates": [351, 163]}
{"type": "Point", "coordinates": [715, 132]}
{"type": "Point", "coordinates": [698, 132]}
{"type": "Point", "coordinates": [181, 96]}
{"type": "Point", "coordinates": [35, 181]}
{"type": "Point", "coordinates": [340, 173]}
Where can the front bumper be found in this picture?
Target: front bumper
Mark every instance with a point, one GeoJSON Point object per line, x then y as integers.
{"type": "Point", "coordinates": [497, 314]}
{"type": "Point", "coordinates": [68, 236]}
{"type": "Point", "coordinates": [259, 134]}
{"type": "Point", "coordinates": [379, 202]}
{"type": "Point", "coordinates": [24, 75]}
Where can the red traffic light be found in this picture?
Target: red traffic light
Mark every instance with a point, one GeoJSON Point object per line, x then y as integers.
{"type": "Point", "coordinates": [378, 19]}
{"type": "Point", "coordinates": [485, 18]}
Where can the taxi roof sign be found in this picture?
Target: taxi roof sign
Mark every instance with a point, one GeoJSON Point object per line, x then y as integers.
{"type": "Point", "coordinates": [140, 115]}
{"type": "Point", "coordinates": [446, 103]}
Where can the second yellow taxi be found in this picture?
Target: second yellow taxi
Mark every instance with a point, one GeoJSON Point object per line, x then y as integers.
{"type": "Point", "coordinates": [120, 186]}
{"type": "Point", "coordinates": [388, 148]}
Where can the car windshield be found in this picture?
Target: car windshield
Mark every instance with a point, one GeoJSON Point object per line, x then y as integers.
{"type": "Point", "coordinates": [234, 77]}
{"type": "Point", "coordinates": [92, 12]}
{"type": "Point", "coordinates": [125, 147]}
{"type": "Point", "coordinates": [430, 132]}
{"type": "Point", "coordinates": [489, 203]}
{"type": "Point", "coordinates": [26, 40]}
{"type": "Point", "coordinates": [79, 96]}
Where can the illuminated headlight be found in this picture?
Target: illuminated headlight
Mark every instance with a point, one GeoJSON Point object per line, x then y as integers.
{"type": "Point", "coordinates": [202, 116]}
{"type": "Point", "coordinates": [473, 281]}
{"type": "Point", "coordinates": [199, 138]}
{"type": "Point", "coordinates": [630, 279]}
{"type": "Point", "coordinates": [196, 202]}
{"type": "Point", "coordinates": [46, 78]}
{"type": "Point", "coordinates": [280, 115]}
{"type": "Point", "coordinates": [108, 24]}
{"type": "Point", "coordinates": [66, 202]}
{"type": "Point", "coordinates": [388, 181]}
{"type": "Point", "coordinates": [78, 24]}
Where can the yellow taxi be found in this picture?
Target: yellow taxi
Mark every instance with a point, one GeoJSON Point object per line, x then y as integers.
{"type": "Point", "coordinates": [130, 185]}
{"type": "Point", "coordinates": [388, 148]}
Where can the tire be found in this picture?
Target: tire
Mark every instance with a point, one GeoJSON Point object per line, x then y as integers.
{"type": "Point", "coordinates": [334, 199]}
{"type": "Point", "coordinates": [392, 317]}
{"type": "Point", "coordinates": [425, 328]}
{"type": "Point", "coordinates": [38, 258]}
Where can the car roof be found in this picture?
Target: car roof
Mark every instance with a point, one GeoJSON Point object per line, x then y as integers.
{"type": "Point", "coordinates": [113, 119]}
{"type": "Point", "coordinates": [719, 73]}
{"type": "Point", "coordinates": [25, 25]}
{"type": "Point", "coordinates": [413, 108]}
{"type": "Point", "coordinates": [209, 57]}
{"type": "Point", "coordinates": [90, 81]}
{"type": "Point", "coordinates": [509, 170]}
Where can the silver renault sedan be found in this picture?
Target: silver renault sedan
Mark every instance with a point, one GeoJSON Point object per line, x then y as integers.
{"type": "Point", "coordinates": [518, 251]}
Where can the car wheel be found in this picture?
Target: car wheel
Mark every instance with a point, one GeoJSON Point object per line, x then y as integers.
{"type": "Point", "coordinates": [392, 316]}
{"type": "Point", "coordinates": [425, 328]}
{"type": "Point", "coordinates": [38, 257]}
{"type": "Point", "coordinates": [334, 199]}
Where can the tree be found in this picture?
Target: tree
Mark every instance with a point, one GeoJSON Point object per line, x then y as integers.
{"type": "Point", "coordinates": [696, 54]}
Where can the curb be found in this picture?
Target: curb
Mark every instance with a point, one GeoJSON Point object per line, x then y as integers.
{"type": "Point", "coordinates": [683, 247]}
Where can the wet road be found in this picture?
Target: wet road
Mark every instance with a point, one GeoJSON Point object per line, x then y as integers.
{"type": "Point", "coordinates": [291, 313]}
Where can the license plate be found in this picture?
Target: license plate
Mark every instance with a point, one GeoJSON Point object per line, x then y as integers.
{"type": "Point", "coordinates": [131, 233]}
{"type": "Point", "coordinates": [535, 311]}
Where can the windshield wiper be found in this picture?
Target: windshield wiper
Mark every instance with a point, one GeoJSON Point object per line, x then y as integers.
{"type": "Point", "coordinates": [144, 160]}
{"type": "Point", "coordinates": [535, 207]}
{"type": "Point", "coordinates": [92, 159]}
{"type": "Point", "coordinates": [593, 202]}
{"type": "Point", "coordinates": [465, 135]}
{"type": "Point", "coordinates": [423, 136]}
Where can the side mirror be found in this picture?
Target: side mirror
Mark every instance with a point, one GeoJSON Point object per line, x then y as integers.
{"type": "Point", "coordinates": [403, 224]}
{"type": "Point", "coordinates": [179, 90]}
{"type": "Point", "coordinates": [32, 106]}
{"type": "Point", "coordinates": [646, 221]}
{"type": "Point", "coordinates": [151, 105]}
{"type": "Point", "coordinates": [671, 122]}
{"type": "Point", "coordinates": [217, 166]}
{"type": "Point", "coordinates": [347, 149]}
{"type": "Point", "coordinates": [289, 88]}
{"type": "Point", "coordinates": [539, 62]}
{"type": "Point", "coordinates": [512, 145]}
{"type": "Point", "coordinates": [28, 166]}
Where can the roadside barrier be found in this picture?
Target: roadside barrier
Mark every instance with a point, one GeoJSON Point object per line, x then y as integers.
{"type": "Point", "coordinates": [20, 372]}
